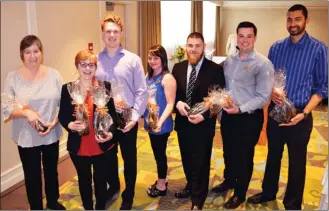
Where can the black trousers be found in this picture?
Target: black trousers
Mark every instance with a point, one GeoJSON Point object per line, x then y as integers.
{"type": "Point", "coordinates": [84, 166]}
{"type": "Point", "coordinates": [240, 133]}
{"type": "Point", "coordinates": [297, 138]}
{"type": "Point", "coordinates": [31, 160]}
{"type": "Point", "coordinates": [195, 147]}
{"type": "Point", "coordinates": [127, 142]}
{"type": "Point", "coordinates": [159, 146]}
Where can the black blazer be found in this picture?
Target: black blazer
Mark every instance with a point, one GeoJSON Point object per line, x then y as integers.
{"type": "Point", "coordinates": [65, 116]}
{"type": "Point", "coordinates": [210, 74]}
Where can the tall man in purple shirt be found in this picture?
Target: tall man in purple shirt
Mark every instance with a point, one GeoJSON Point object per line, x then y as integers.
{"type": "Point", "coordinates": [119, 65]}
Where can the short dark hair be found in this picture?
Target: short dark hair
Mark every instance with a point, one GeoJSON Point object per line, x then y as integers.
{"type": "Point", "coordinates": [195, 35]}
{"type": "Point", "coordinates": [159, 51]}
{"type": "Point", "coordinates": [297, 7]}
{"type": "Point", "coordinates": [246, 24]}
{"type": "Point", "coordinates": [27, 41]}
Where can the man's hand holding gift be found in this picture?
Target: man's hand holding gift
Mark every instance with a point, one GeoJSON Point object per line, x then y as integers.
{"type": "Point", "coordinates": [182, 108]}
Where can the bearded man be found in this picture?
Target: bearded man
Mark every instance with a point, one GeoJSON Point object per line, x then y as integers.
{"type": "Point", "coordinates": [306, 64]}
{"type": "Point", "coordinates": [195, 132]}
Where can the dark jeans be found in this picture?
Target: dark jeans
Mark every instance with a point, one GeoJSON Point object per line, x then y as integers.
{"type": "Point", "coordinates": [240, 133]}
{"type": "Point", "coordinates": [127, 142]}
{"type": "Point", "coordinates": [159, 146]}
{"type": "Point", "coordinates": [195, 148]}
{"type": "Point", "coordinates": [31, 158]}
{"type": "Point", "coordinates": [84, 166]}
{"type": "Point", "coordinates": [297, 138]}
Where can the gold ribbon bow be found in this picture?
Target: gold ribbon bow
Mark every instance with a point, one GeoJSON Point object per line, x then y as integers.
{"type": "Point", "coordinates": [80, 108]}
{"type": "Point", "coordinates": [102, 110]}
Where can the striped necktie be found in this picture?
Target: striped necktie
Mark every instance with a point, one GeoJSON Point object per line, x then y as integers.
{"type": "Point", "coordinates": [191, 86]}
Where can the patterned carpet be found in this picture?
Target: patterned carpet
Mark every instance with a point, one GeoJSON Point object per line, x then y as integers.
{"type": "Point", "coordinates": [317, 160]}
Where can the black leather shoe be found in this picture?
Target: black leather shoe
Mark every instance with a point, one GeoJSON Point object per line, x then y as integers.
{"type": "Point", "coordinates": [111, 192]}
{"type": "Point", "coordinates": [126, 205]}
{"type": "Point", "coordinates": [259, 198]}
{"type": "Point", "coordinates": [56, 206]}
{"type": "Point", "coordinates": [183, 193]}
{"type": "Point", "coordinates": [234, 202]}
{"type": "Point", "coordinates": [221, 188]}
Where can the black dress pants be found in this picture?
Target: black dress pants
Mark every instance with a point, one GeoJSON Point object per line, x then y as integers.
{"type": "Point", "coordinates": [31, 158]}
{"type": "Point", "coordinates": [84, 166]}
{"type": "Point", "coordinates": [127, 142]}
{"type": "Point", "coordinates": [297, 138]}
{"type": "Point", "coordinates": [195, 147]}
{"type": "Point", "coordinates": [240, 133]}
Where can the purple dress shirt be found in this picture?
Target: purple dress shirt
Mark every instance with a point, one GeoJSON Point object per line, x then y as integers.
{"type": "Point", "coordinates": [125, 67]}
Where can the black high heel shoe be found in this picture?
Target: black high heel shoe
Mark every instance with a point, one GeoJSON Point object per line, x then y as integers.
{"type": "Point", "coordinates": [154, 192]}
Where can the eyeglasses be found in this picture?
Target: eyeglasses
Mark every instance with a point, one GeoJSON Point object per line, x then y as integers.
{"type": "Point", "coordinates": [84, 65]}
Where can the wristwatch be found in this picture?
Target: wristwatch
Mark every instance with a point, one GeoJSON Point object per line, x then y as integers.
{"type": "Point", "coordinates": [305, 114]}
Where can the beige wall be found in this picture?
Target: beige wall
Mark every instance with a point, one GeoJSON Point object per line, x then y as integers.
{"type": "Point", "coordinates": [132, 26]}
{"type": "Point", "coordinates": [11, 34]}
{"type": "Point", "coordinates": [64, 34]}
{"type": "Point", "coordinates": [270, 23]}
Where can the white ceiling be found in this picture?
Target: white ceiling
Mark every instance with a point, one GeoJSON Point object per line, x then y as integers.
{"type": "Point", "coordinates": [268, 4]}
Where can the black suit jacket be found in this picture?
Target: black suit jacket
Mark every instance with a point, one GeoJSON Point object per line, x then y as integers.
{"type": "Point", "coordinates": [210, 74]}
{"type": "Point", "coordinates": [65, 116]}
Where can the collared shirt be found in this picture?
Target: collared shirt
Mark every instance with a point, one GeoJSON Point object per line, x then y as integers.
{"type": "Point", "coordinates": [306, 66]}
{"type": "Point", "coordinates": [125, 67]}
{"type": "Point", "coordinates": [250, 80]}
{"type": "Point", "coordinates": [189, 70]}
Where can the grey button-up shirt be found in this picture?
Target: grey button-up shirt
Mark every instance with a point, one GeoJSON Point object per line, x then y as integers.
{"type": "Point", "coordinates": [250, 80]}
